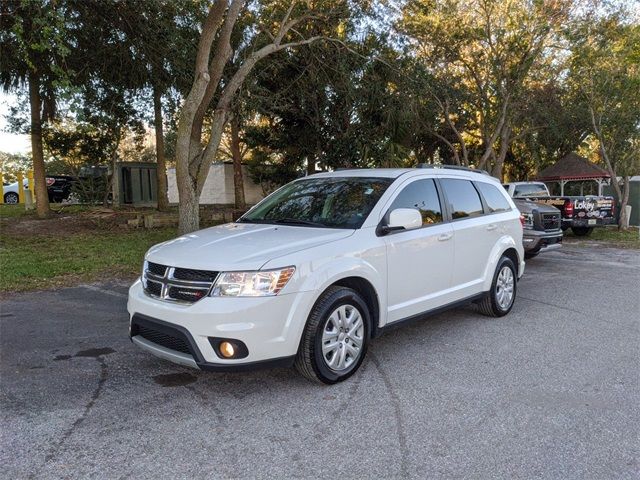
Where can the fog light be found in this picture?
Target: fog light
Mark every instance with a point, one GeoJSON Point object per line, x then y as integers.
{"type": "Point", "coordinates": [227, 350]}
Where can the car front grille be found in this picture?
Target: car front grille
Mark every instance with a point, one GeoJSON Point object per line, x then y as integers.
{"type": "Point", "coordinates": [172, 342]}
{"type": "Point", "coordinates": [156, 269]}
{"type": "Point", "coordinates": [177, 284]}
{"type": "Point", "coordinates": [551, 221]}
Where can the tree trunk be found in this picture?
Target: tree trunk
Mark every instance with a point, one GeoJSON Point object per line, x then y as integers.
{"type": "Point", "coordinates": [502, 153]}
{"type": "Point", "coordinates": [193, 159]}
{"type": "Point", "coordinates": [37, 153]}
{"type": "Point", "coordinates": [238, 180]}
{"type": "Point", "coordinates": [188, 209]}
{"type": "Point", "coordinates": [614, 177]}
{"type": "Point", "coordinates": [161, 173]}
{"type": "Point", "coordinates": [623, 223]}
{"type": "Point", "coordinates": [109, 182]}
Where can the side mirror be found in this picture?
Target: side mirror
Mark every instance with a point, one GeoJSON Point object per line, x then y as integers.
{"type": "Point", "coordinates": [403, 219]}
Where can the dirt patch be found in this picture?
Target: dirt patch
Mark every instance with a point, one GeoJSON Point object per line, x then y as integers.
{"type": "Point", "coordinates": [64, 224]}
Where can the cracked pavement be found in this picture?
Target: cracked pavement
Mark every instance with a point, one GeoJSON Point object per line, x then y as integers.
{"type": "Point", "coordinates": [550, 391]}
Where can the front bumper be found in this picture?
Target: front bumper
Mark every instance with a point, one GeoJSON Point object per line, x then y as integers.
{"type": "Point", "coordinates": [534, 240]}
{"type": "Point", "coordinates": [270, 327]}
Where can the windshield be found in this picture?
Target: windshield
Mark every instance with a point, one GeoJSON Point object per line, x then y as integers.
{"type": "Point", "coordinates": [321, 202]}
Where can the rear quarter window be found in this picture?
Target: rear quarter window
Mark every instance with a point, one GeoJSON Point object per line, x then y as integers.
{"type": "Point", "coordinates": [494, 198]}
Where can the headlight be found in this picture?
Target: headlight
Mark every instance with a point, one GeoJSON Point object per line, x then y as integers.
{"type": "Point", "coordinates": [527, 220]}
{"type": "Point", "coordinates": [252, 284]}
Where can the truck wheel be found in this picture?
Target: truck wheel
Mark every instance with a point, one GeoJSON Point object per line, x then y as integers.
{"type": "Point", "coordinates": [581, 231]}
{"type": "Point", "coordinates": [499, 300]}
{"type": "Point", "coordinates": [11, 198]}
{"type": "Point", "coordinates": [335, 339]}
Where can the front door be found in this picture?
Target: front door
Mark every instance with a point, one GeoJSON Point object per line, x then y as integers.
{"type": "Point", "coordinates": [420, 261]}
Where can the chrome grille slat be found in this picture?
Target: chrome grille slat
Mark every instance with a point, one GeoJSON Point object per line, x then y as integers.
{"type": "Point", "coordinates": [168, 287]}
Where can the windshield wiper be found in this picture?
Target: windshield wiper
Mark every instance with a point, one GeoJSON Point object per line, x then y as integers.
{"type": "Point", "coordinates": [297, 221]}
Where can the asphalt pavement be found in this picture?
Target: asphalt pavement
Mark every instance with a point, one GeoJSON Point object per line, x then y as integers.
{"type": "Point", "coordinates": [549, 391]}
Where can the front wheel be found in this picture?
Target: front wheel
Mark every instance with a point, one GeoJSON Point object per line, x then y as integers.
{"type": "Point", "coordinates": [11, 198]}
{"type": "Point", "coordinates": [581, 231]}
{"type": "Point", "coordinates": [335, 339]}
{"type": "Point", "coordinates": [500, 298]}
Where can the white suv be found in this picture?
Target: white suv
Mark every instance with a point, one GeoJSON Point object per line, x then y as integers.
{"type": "Point", "coordinates": [326, 263]}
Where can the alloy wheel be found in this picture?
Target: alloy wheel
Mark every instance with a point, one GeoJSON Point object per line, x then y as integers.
{"type": "Point", "coordinates": [342, 338]}
{"type": "Point", "coordinates": [504, 288]}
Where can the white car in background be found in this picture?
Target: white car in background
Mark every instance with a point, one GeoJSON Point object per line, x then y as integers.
{"type": "Point", "coordinates": [10, 191]}
{"type": "Point", "coordinates": [326, 263]}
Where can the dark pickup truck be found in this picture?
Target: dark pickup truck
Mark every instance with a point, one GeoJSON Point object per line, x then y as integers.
{"type": "Point", "coordinates": [580, 213]}
{"type": "Point", "coordinates": [59, 187]}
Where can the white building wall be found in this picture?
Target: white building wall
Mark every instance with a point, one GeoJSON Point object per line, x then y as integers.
{"type": "Point", "coordinates": [218, 187]}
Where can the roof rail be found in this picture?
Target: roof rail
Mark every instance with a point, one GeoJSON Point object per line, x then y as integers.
{"type": "Point", "coordinates": [451, 167]}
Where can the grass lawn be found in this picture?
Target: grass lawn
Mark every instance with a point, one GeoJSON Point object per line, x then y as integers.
{"type": "Point", "coordinates": [40, 262]}
{"type": "Point", "coordinates": [18, 211]}
{"type": "Point", "coordinates": [609, 235]}
{"type": "Point", "coordinates": [68, 249]}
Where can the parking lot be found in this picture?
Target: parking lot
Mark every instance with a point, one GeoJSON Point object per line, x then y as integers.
{"type": "Point", "coordinates": [549, 391]}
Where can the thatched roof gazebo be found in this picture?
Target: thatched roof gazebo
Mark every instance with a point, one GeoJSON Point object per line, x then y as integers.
{"type": "Point", "coordinates": [574, 168]}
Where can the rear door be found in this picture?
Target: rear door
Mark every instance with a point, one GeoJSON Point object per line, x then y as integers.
{"type": "Point", "coordinates": [474, 235]}
{"type": "Point", "coordinates": [420, 261]}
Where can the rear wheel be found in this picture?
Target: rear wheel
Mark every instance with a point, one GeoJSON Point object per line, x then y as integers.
{"type": "Point", "coordinates": [500, 298]}
{"type": "Point", "coordinates": [581, 231]}
{"type": "Point", "coordinates": [335, 339]}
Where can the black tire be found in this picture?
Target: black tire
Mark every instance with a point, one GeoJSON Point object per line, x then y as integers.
{"type": "Point", "coordinates": [531, 254]}
{"type": "Point", "coordinates": [581, 231]}
{"type": "Point", "coordinates": [310, 361]}
{"type": "Point", "coordinates": [11, 198]}
{"type": "Point", "coordinates": [489, 305]}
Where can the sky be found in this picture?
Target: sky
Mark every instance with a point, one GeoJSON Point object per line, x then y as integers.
{"type": "Point", "coordinates": [11, 142]}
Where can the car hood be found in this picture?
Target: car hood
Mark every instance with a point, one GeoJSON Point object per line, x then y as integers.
{"type": "Point", "coordinates": [240, 246]}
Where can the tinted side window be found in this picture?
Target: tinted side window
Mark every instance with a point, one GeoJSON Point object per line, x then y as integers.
{"type": "Point", "coordinates": [494, 197]}
{"type": "Point", "coordinates": [423, 196]}
{"type": "Point", "coordinates": [462, 197]}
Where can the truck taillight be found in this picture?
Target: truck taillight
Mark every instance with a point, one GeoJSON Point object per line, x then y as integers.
{"type": "Point", "coordinates": [568, 208]}
{"type": "Point", "coordinates": [613, 208]}
{"type": "Point", "coordinates": [522, 221]}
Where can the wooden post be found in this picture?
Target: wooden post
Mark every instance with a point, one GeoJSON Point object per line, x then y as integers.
{"type": "Point", "coordinates": [1, 188]}
{"type": "Point", "coordinates": [31, 185]}
{"type": "Point", "coordinates": [20, 187]}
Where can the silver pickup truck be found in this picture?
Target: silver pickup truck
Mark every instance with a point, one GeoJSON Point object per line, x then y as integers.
{"type": "Point", "coordinates": [541, 226]}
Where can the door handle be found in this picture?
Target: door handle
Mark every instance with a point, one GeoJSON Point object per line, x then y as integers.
{"type": "Point", "coordinates": [492, 226]}
{"type": "Point", "coordinates": [445, 236]}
